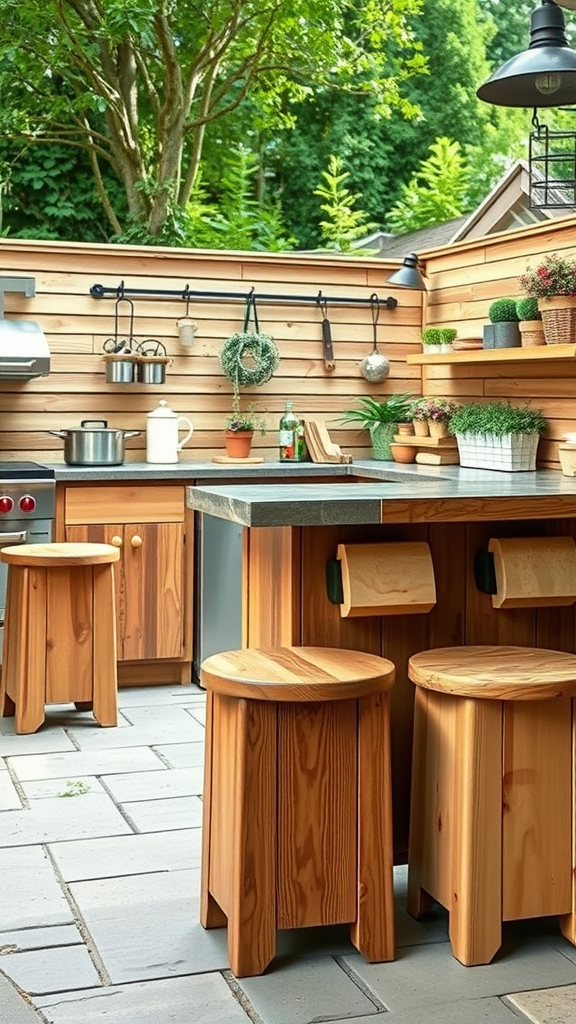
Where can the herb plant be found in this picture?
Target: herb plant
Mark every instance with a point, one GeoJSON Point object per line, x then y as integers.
{"type": "Point", "coordinates": [438, 335]}
{"type": "Point", "coordinates": [395, 409]}
{"type": "Point", "coordinates": [497, 418]}
{"type": "Point", "coordinates": [245, 421]}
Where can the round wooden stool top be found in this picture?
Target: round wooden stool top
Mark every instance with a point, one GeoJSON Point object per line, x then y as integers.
{"type": "Point", "coordinates": [498, 673]}
{"type": "Point", "coordinates": [297, 674]}
{"type": "Point", "coordinates": [55, 555]}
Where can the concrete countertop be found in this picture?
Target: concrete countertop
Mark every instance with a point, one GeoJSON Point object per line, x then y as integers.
{"type": "Point", "coordinates": [187, 471]}
{"type": "Point", "coordinates": [360, 501]}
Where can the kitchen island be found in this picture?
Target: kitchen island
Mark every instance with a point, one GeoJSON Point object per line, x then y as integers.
{"type": "Point", "coordinates": [290, 531]}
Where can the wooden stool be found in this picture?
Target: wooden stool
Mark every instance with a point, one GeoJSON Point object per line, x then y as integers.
{"type": "Point", "coordinates": [60, 632]}
{"type": "Point", "coordinates": [297, 799]}
{"type": "Point", "coordinates": [492, 820]}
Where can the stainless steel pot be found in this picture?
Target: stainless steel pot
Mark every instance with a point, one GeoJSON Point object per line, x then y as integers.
{"type": "Point", "coordinates": [94, 444]}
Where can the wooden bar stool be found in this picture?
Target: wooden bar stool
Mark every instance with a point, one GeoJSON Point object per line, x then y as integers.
{"type": "Point", "coordinates": [60, 631]}
{"type": "Point", "coordinates": [492, 820]}
{"type": "Point", "coordinates": [297, 799]}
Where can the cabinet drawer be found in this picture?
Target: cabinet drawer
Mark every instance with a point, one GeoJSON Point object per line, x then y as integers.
{"type": "Point", "coordinates": [134, 503]}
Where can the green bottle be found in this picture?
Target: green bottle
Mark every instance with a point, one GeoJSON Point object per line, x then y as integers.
{"type": "Point", "coordinates": [288, 435]}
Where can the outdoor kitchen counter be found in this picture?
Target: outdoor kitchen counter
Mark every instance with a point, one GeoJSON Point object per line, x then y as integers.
{"type": "Point", "coordinates": [376, 492]}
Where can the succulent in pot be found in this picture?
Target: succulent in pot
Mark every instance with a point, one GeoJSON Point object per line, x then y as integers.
{"type": "Point", "coordinates": [239, 428]}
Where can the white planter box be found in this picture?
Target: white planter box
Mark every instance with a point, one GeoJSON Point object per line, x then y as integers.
{"type": "Point", "coordinates": [511, 452]}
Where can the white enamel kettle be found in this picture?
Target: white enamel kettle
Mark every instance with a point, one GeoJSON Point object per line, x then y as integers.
{"type": "Point", "coordinates": [162, 426]}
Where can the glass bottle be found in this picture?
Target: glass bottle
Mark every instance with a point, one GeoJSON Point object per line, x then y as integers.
{"type": "Point", "coordinates": [288, 435]}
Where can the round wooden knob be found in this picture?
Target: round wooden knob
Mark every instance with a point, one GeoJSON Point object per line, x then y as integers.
{"type": "Point", "coordinates": [116, 542]}
{"type": "Point", "coordinates": [136, 541]}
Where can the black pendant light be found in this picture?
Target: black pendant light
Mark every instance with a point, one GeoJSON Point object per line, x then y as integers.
{"type": "Point", "coordinates": [544, 75]}
{"type": "Point", "coordinates": [408, 276]}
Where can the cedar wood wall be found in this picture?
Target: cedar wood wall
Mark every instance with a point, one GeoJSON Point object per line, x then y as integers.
{"type": "Point", "coordinates": [462, 281]}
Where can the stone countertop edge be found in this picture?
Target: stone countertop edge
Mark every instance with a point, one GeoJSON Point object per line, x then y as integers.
{"type": "Point", "coordinates": [191, 471]}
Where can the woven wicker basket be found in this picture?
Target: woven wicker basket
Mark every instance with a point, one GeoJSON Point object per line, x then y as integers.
{"type": "Point", "coordinates": [559, 319]}
{"type": "Point", "coordinates": [531, 333]}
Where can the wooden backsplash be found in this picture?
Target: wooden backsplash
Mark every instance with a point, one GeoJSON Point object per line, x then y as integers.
{"type": "Point", "coordinates": [462, 281]}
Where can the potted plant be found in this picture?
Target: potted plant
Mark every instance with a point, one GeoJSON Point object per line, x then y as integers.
{"type": "Point", "coordinates": [553, 284]}
{"type": "Point", "coordinates": [497, 435]}
{"type": "Point", "coordinates": [381, 419]}
{"type": "Point", "coordinates": [419, 418]}
{"type": "Point", "coordinates": [438, 339]}
{"type": "Point", "coordinates": [530, 322]}
{"type": "Point", "coordinates": [502, 332]}
{"type": "Point", "coordinates": [437, 413]}
{"type": "Point", "coordinates": [239, 430]}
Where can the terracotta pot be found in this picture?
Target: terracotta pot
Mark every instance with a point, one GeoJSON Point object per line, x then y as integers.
{"type": "Point", "coordinates": [406, 429]}
{"type": "Point", "coordinates": [438, 429]}
{"type": "Point", "coordinates": [238, 443]}
{"type": "Point", "coordinates": [403, 452]}
{"type": "Point", "coordinates": [421, 428]}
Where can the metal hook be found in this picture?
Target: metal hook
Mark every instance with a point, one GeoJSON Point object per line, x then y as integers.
{"type": "Point", "coordinates": [323, 304]}
{"type": "Point", "coordinates": [120, 290]}
{"type": "Point", "coordinates": [186, 297]}
{"type": "Point", "coordinates": [375, 308]}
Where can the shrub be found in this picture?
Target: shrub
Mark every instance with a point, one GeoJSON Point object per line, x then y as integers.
{"type": "Point", "coordinates": [527, 309]}
{"type": "Point", "coordinates": [503, 311]}
{"type": "Point", "coordinates": [556, 275]}
{"type": "Point", "coordinates": [497, 418]}
{"type": "Point", "coordinates": [438, 335]}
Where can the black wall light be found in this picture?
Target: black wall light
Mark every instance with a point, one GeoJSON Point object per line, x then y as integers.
{"type": "Point", "coordinates": [409, 274]}
{"type": "Point", "coordinates": [544, 75]}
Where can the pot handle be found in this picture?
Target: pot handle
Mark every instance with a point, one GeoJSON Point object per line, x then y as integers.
{"type": "Point", "coordinates": [131, 433]}
{"type": "Point", "coordinates": [58, 433]}
{"type": "Point", "coordinates": [94, 423]}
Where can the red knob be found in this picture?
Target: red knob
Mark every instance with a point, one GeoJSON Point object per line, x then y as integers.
{"type": "Point", "coordinates": [6, 504]}
{"type": "Point", "coordinates": [27, 503]}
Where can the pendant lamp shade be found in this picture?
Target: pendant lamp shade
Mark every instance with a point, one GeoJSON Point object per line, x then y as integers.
{"type": "Point", "coordinates": [408, 276]}
{"type": "Point", "coordinates": [544, 75]}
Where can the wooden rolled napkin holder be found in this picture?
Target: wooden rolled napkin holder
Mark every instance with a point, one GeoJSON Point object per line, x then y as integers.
{"type": "Point", "coordinates": [533, 572]}
{"type": "Point", "coordinates": [394, 578]}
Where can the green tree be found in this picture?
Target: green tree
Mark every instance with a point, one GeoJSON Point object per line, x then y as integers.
{"type": "Point", "coordinates": [138, 83]}
{"type": "Point", "coordinates": [435, 193]}
{"type": "Point", "coordinates": [344, 224]}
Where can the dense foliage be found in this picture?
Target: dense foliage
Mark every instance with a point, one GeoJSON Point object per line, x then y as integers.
{"type": "Point", "coordinates": [497, 418]}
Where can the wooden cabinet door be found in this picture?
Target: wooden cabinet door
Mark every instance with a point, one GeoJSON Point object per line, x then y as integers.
{"type": "Point", "coordinates": [149, 581]}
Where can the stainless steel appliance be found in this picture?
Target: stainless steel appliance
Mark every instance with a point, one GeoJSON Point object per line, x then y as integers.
{"type": "Point", "coordinates": [27, 504]}
{"type": "Point", "coordinates": [218, 618]}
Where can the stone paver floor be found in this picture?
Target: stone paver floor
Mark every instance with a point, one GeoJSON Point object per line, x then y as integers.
{"type": "Point", "coordinates": [100, 858]}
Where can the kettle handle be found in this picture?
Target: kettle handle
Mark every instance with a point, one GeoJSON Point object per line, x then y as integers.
{"type": "Point", "coordinates": [182, 419]}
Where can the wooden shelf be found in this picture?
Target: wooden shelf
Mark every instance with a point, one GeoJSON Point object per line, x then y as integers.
{"type": "Point", "coordinates": [496, 355]}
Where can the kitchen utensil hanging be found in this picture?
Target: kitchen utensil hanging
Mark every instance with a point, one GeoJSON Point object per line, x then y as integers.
{"type": "Point", "coordinates": [186, 326]}
{"type": "Point", "coordinates": [375, 367]}
{"type": "Point", "coordinates": [129, 361]}
{"type": "Point", "coordinates": [329, 362]}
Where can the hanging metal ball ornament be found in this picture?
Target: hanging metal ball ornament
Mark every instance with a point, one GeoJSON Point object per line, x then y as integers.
{"type": "Point", "coordinates": [375, 367]}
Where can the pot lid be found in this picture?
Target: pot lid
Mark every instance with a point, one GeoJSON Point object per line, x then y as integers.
{"type": "Point", "coordinates": [162, 412]}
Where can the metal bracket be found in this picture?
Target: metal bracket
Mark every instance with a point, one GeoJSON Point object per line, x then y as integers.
{"type": "Point", "coordinates": [26, 285]}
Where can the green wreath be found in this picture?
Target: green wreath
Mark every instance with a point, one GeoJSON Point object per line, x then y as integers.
{"type": "Point", "coordinates": [249, 358]}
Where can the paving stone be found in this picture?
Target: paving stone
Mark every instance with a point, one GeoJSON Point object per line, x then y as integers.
{"type": "Point", "coordinates": [31, 895]}
{"type": "Point", "coordinates": [181, 755]}
{"type": "Point", "coordinates": [15, 1008]}
{"type": "Point", "coordinates": [547, 1006]}
{"type": "Point", "coordinates": [92, 814]}
{"type": "Point", "coordinates": [43, 742]}
{"type": "Point", "coordinates": [468, 1011]}
{"type": "Point", "coordinates": [68, 788]}
{"type": "Point", "coordinates": [143, 717]}
{"type": "Point", "coordinates": [166, 814]}
{"type": "Point", "coordinates": [422, 976]}
{"type": "Point", "coordinates": [51, 970]}
{"type": "Point", "coordinates": [199, 999]}
{"type": "Point", "coordinates": [157, 731]}
{"type": "Point", "coordinates": [304, 991]}
{"type": "Point", "coordinates": [128, 855]}
{"type": "Point", "coordinates": [155, 785]}
{"type": "Point", "coordinates": [9, 799]}
{"type": "Point", "coordinates": [198, 713]}
{"type": "Point", "coordinates": [162, 696]}
{"type": "Point", "coordinates": [146, 926]}
{"type": "Point", "coordinates": [73, 765]}
{"type": "Point", "coordinates": [39, 938]}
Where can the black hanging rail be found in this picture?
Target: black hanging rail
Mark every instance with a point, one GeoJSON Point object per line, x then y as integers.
{"type": "Point", "coordinates": [100, 291]}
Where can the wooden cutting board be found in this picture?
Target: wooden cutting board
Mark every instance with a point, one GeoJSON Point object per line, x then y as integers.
{"type": "Point", "coordinates": [228, 460]}
{"type": "Point", "coordinates": [443, 458]}
{"type": "Point", "coordinates": [426, 442]}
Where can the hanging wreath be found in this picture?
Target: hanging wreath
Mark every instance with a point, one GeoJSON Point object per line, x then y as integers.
{"type": "Point", "coordinates": [249, 358]}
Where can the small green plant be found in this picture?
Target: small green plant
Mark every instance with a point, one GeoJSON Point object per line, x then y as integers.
{"type": "Point", "coordinates": [396, 409]}
{"type": "Point", "coordinates": [556, 275]}
{"type": "Point", "coordinates": [77, 788]}
{"type": "Point", "coordinates": [497, 418]}
{"type": "Point", "coordinates": [438, 335]}
{"type": "Point", "coordinates": [527, 309]}
{"type": "Point", "coordinates": [503, 311]}
{"type": "Point", "coordinates": [246, 420]}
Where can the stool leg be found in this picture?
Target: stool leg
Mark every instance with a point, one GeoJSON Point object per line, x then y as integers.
{"type": "Point", "coordinates": [419, 902]}
{"type": "Point", "coordinates": [104, 682]}
{"type": "Point", "coordinates": [211, 914]}
{"type": "Point", "coordinates": [476, 907]}
{"type": "Point", "coordinates": [373, 931]}
{"type": "Point", "coordinates": [24, 668]}
{"type": "Point", "coordinates": [252, 915]}
{"type": "Point", "coordinates": [568, 921]}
